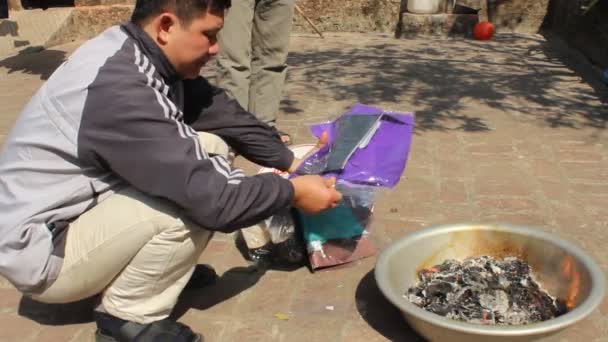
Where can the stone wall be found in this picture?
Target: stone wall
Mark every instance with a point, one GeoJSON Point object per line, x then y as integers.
{"type": "Point", "coordinates": [327, 15]}
{"type": "Point", "coordinates": [352, 16]}
{"type": "Point", "coordinates": [522, 16]}
{"type": "Point", "coordinates": [383, 15]}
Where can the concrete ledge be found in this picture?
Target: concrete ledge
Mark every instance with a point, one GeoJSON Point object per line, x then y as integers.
{"type": "Point", "coordinates": [31, 29]}
{"type": "Point", "coordinates": [81, 3]}
{"type": "Point", "coordinates": [87, 22]}
{"type": "Point", "coordinates": [412, 25]}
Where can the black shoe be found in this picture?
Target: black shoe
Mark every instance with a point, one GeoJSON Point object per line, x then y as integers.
{"type": "Point", "coordinates": [262, 257]}
{"type": "Point", "coordinates": [114, 329]}
{"type": "Point", "coordinates": [290, 251]}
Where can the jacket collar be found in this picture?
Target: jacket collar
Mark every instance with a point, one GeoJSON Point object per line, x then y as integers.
{"type": "Point", "coordinates": [152, 51]}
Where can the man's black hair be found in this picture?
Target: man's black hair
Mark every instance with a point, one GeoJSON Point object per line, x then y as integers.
{"type": "Point", "coordinates": [185, 10]}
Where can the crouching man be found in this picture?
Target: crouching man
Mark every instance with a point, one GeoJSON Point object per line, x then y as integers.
{"type": "Point", "coordinates": [115, 175]}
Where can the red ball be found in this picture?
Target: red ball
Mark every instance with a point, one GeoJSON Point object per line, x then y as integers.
{"type": "Point", "coordinates": [483, 30]}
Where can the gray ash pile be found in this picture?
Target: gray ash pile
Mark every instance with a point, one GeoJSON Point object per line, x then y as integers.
{"type": "Point", "coordinates": [484, 290]}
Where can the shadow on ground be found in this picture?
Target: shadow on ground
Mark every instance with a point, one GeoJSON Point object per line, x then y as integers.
{"type": "Point", "coordinates": [58, 314]}
{"type": "Point", "coordinates": [513, 73]}
{"type": "Point", "coordinates": [380, 314]}
{"type": "Point", "coordinates": [522, 74]}
{"type": "Point", "coordinates": [230, 284]}
{"type": "Point", "coordinates": [34, 61]}
{"type": "Point", "coordinates": [9, 28]}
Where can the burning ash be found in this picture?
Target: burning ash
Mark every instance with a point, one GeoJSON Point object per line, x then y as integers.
{"type": "Point", "coordinates": [484, 290]}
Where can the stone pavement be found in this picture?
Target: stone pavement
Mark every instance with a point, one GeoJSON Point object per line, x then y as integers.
{"type": "Point", "coordinates": [506, 131]}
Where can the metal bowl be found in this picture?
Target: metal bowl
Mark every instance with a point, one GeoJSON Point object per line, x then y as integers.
{"type": "Point", "coordinates": [561, 268]}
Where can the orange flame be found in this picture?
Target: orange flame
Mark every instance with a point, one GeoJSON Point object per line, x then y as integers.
{"type": "Point", "coordinates": [570, 273]}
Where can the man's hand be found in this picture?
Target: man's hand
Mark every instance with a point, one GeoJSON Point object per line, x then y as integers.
{"type": "Point", "coordinates": [315, 193]}
{"type": "Point", "coordinates": [320, 143]}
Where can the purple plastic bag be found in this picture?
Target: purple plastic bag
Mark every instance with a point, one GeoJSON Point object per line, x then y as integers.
{"type": "Point", "coordinates": [383, 160]}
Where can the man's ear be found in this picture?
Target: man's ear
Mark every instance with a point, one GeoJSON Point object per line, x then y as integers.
{"type": "Point", "coordinates": [166, 25]}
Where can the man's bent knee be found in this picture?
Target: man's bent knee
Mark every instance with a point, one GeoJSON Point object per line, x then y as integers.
{"type": "Point", "coordinates": [213, 144]}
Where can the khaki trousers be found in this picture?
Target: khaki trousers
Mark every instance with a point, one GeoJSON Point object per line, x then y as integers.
{"type": "Point", "coordinates": [253, 52]}
{"type": "Point", "coordinates": [137, 250]}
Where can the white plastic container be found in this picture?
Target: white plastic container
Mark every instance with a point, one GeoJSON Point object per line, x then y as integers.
{"type": "Point", "coordinates": [424, 6]}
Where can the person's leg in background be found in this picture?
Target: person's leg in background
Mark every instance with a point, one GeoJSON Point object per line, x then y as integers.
{"type": "Point", "coordinates": [137, 250]}
{"type": "Point", "coordinates": [234, 57]}
{"type": "Point", "coordinates": [234, 75]}
{"type": "Point", "coordinates": [3, 9]}
{"type": "Point", "coordinates": [270, 45]}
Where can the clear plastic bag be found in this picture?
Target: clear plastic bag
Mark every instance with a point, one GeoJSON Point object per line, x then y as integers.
{"type": "Point", "coordinates": [367, 151]}
{"type": "Point", "coordinates": [340, 235]}
{"type": "Point", "coordinates": [276, 241]}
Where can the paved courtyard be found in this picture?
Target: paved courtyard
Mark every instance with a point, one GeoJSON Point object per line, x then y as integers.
{"type": "Point", "coordinates": [506, 132]}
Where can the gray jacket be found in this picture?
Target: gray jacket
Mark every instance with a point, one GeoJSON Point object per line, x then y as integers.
{"type": "Point", "coordinates": [116, 114]}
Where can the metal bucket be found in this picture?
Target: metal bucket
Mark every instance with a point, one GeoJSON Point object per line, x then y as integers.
{"type": "Point", "coordinates": [561, 268]}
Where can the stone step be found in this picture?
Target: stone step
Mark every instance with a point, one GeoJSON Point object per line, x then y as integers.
{"type": "Point", "coordinates": [444, 24]}
{"type": "Point", "coordinates": [88, 22]}
{"type": "Point", "coordinates": [31, 29]}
